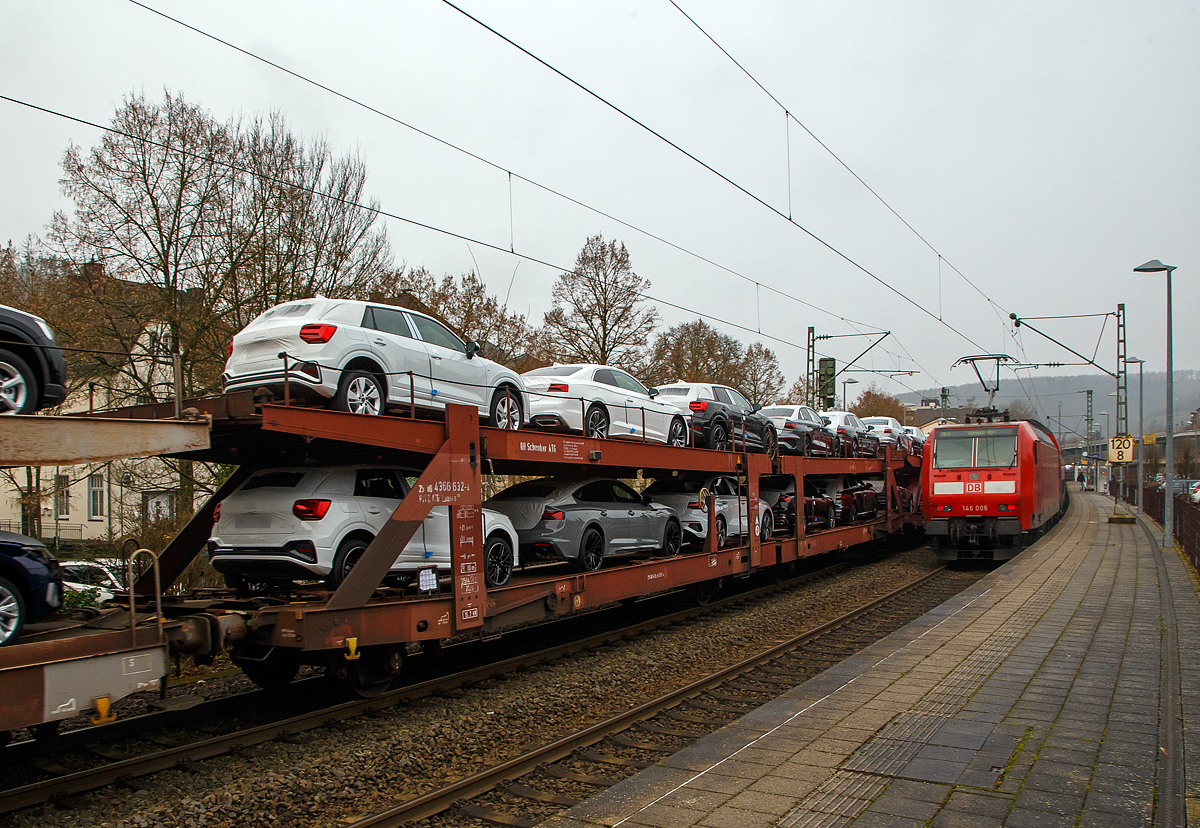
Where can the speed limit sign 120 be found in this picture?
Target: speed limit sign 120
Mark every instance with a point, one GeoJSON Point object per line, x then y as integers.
{"type": "Point", "coordinates": [1120, 449]}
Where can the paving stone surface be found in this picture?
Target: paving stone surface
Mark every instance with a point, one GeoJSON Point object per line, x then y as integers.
{"type": "Point", "coordinates": [1036, 698]}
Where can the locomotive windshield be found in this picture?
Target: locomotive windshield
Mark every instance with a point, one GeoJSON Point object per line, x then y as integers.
{"type": "Point", "coordinates": [973, 448]}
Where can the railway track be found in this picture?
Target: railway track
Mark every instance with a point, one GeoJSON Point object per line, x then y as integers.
{"type": "Point", "coordinates": [542, 782]}
{"type": "Point", "coordinates": [94, 757]}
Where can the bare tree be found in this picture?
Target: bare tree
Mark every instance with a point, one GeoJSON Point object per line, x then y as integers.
{"type": "Point", "coordinates": [599, 313]}
{"type": "Point", "coordinates": [693, 352]}
{"type": "Point", "coordinates": [760, 378]}
{"type": "Point", "coordinates": [1021, 410]}
{"type": "Point", "coordinates": [875, 403]}
{"type": "Point", "coordinates": [797, 394]}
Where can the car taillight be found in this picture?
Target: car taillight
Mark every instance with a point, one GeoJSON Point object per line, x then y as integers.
{"type": "Point", "coordinates": [695, 504]}
{"type": "Point", "coordinates": [317, 333]}
{"type": "Point", "coordinates": [791, 424]}
{"type": "Point", "coordinates": [841, 430]}
{"type": "Point", "coordinates": [216, 513]}
{"type": "Point", "coordinates": [229, 352]}
{"type": "Point", "coordinates": [310, 509]}
{"type": "Point", "coordinates": [558, 388]}
{"type": "Point", "coordinates": [698, 405]}
{"type": "Point", "coordinates": [550, 514]}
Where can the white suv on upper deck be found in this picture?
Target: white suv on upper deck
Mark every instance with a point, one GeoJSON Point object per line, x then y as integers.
{"type": "Point", "coordinates": [364, 356]}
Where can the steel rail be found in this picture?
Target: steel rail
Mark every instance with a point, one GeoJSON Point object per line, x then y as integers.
{"type": "Point", "coordinates": [436, 802]}
{"type": "Point", "coordinates": [100, 776]}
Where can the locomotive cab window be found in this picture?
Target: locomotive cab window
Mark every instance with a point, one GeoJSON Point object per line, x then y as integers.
{"type": "Point", "coordinates": [975, 448]}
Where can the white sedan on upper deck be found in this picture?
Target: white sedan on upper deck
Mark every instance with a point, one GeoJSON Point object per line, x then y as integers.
{"type": "Point", "coordinates": [601, 401]}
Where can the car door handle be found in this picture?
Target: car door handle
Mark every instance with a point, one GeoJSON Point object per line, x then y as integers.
{"type": "Point", "coordinates": [603, 513]}
{"type": "Point", "coordinates": [631, 511]}
{"type": "Point", "coordinates": [432, 356]}
{"type": "Point", "coordinates": [380, 342]}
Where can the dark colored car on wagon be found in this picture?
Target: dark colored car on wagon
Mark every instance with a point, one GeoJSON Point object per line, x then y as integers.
{"type": "Point", "coordinates": [30, 584]}
{"type": "Point", "coordinates": [801, 431]}
{"type": "Point", "coordinates": [33, 371]}
{"type": "Point", "coordinates": [721, 418]}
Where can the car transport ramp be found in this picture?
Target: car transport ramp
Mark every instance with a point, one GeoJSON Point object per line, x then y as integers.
{"type": "Point", "coordinates": [1053, 692]}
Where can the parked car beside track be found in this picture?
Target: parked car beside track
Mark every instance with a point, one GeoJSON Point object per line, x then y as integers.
{"type": "Point", "coordinates": [801, 430]}
{"type": "Point", "coordinates": [601, 401]}
{"type": "Point", "coordinates": [309, 523]}
{"type": "Point", "coordinates": [30, 584]}
{"type": "Point", "coordinates": [364, 356]}
{"type": "Point", "coordinates": [585, 521]}
{"type": "Point", "coordinates": [684, 495]}
{"type": "Point", "coordinates": [33, 371]}
{"type": "Point", "coordinates": [721, 418]}
{"type": "Point", "coordinates": [84, 575]}
{"type": "Point", "coordinates": [854, 439]}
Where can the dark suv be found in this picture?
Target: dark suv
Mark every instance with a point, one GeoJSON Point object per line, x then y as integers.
{"type": "Point", "coordinates": [33, 372]}
{"type": "Point", "coordinates": [721, 418]}
{"type": "Point", "coordinates": [30, 584]}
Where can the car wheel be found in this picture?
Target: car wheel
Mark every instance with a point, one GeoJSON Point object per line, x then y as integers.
{"type": "Point", "coordinates": [718, 438]}
{"type": "Point", "coordinates": [497, 561]}
{"type": "Point", "coordinates": [771, 444]}
{"type": "Point", "coordinates": [591, 551]}
{"type": "Point", "coordinates": [18, 385]}
{"type": "Point", "coordinates": [722, 533]}
{"type": "Point", "coordinates": [672, 538]}
{"type": "Point", "coordinates": [596, 423]}
{"type": "Point", "coordinates": [12, 611]}
{"type": "Point", "coordinates": [767, 527]}
{"type": "Point", "coordinates": [350, 550]}
{"type": "Point", "coordinates": [806, 448]}
{"type": "Point", "coordinates": [677, 435]}
{"type": "Point", "coordinates": [360, 393]}
{"type": "Point", "coordinates": [506, 409]}
{"type": "Point", "coordinates": [831, 518]}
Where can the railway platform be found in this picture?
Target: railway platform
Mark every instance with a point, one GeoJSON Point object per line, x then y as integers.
{"type": "Point", "coordinates": [1058, 690]}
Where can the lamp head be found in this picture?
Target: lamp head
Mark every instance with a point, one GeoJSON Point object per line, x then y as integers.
{"type": "Point", "coordinates": [1153, 266]}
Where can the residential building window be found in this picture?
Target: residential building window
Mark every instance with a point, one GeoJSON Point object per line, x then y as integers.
{"type": "Point", "coordinates": [96, 496]}
{"type": "Point", "coordinates": [62, 496]}
{"type": "Point", "coordinates": [158, 506]}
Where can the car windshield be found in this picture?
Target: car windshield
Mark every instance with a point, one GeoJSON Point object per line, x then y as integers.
{"type": "Point", "coordinates": [877, 421]}
{"type": "Point", "coordinates": [530, 488]}
{"type": "Point", "coordinates": [673, 485]}
{"type": "Point", "coordinates": [555, 371]}
{"type": "Point", "coordinates": [674, 392]}
{"type": "Point", "coordinates": [974, 448]}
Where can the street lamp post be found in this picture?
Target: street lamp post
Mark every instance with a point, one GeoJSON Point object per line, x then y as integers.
{"type": "Point", "coordinates": [1141, 433]}
{"type": "Point", "coordinates": [1155, 266]}
{"type": "Point", "coordinates": [845, 399]}
{"type": "Point", "coordinates": [1100, 449]}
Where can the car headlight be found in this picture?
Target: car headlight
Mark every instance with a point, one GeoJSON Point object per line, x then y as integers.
{"type": "Point", "coordinates": [38, 553]}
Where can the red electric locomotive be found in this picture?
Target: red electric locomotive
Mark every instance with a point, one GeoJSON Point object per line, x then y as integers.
{"type": "Point", "coordinates": [990, 489]}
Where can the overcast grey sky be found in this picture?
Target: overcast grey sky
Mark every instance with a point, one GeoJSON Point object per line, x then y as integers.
{"type": "Point", "coordinates": [1044, 149]}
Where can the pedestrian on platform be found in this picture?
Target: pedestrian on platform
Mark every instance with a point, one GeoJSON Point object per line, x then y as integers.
{"type": "Point", "coordinates": [1079, 479]}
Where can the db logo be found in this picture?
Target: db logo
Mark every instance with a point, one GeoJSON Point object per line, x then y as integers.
{"type": "Point", "coordinates": [975, 487]}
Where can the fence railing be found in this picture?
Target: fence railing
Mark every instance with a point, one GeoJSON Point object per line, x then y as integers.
{"type": "Point", "coordinates": [1185, 516]}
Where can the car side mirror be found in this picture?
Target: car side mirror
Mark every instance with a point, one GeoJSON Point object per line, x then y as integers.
{"type": "Point", "coordinates": [826, 420]}
{"type": "Point", "coordinates": [870, 428]}
{"type": "Point", "coordinates": [756, 409]}
{"type": "Point", "coordinates": [472, 349]}
{"type": "Point", "coordinates": [653, 393]}
{"type": "Point", "coordinates": [646, 499]}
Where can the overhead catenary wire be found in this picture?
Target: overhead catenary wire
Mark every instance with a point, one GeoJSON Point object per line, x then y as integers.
{"type": "Point", "coordinates": [837, 252]}
{"type": "Point", "coordinates": [492, 164]}
{"type": "Point", "coordinates": [413, 222]}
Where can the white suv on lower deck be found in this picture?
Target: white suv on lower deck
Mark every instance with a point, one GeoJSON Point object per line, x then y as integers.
{"type": "Point", "coordinates": [311, 523]}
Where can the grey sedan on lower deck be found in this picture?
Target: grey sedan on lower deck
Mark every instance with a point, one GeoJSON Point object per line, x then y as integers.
{"type": "Point", "coordinates": [583, 521]}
